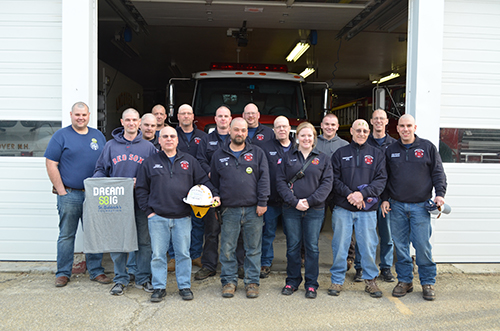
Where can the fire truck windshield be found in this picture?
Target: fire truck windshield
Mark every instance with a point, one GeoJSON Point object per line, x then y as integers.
{"type": "Point", "coordinates": [272, 97]}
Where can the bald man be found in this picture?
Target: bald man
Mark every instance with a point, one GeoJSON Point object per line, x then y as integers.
{"type": "Point", "coordinates": [275, 151]}
{"type": "Point", "coordinates": [161, 115]}
{"type": "Point", "coordinates": [257, 133]}
{"type": "Point", "coordinates": [414, 169]}
{"type": "Point", "coordinates": [240, 172]}
{"type": "Point", "coordinates": [359, 179]}
{"type": "Point", "coordinates": [148, 129]}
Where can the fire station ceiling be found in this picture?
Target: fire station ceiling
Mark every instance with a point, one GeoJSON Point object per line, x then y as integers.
{"type": "Point", "coordinates": [173, 38]}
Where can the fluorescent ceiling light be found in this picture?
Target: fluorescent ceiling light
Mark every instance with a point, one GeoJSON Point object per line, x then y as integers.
{"type": "Point", "coordinates": [307, 72]}
{"type": "Point", "coordinates": [386, 78]}
{"type": "Point", "coordinates": [297, 52]}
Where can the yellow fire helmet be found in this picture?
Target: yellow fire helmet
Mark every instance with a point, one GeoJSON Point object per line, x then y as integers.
{"type": "Point", "coordinates": [200, 199]}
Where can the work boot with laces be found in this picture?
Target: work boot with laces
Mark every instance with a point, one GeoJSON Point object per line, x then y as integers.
{"type": "Point", "coordinates": [372, 288]}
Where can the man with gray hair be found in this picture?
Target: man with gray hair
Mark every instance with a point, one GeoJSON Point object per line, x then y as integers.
{"type": "Point", "coordinates": [275, 151]}
{"type": "Point", "coordinates": [378, 138]}
{"type": "Point", "coordinates": [359, 178]}
{"type": "Point", "coordinates": [122, 157]}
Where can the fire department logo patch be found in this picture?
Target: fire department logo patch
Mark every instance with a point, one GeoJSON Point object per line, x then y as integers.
{"type": "Point", "coordinates": [419, 153]}
{"type": "Point", "coordinates": [368, 159]}
{"type": "Point", "coordinates": [197, 140]}
{"type": "Point", "coordinates": [260, 137]}
{"type": "Point", "coordinates": [185, 165]}
{"type": "Point", "coordinates": [248, 157]}
{"type": "Point", "coordinates": [315, 161]}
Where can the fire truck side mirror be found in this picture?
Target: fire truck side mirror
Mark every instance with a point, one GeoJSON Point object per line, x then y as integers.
{"type": "Point", "coordinates": [171, 101]}
{"type": "Point", "coordinates": [327, 100]}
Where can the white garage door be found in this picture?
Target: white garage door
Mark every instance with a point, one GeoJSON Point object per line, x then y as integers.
{"type": "Point", "coordinates": [471, 100]}
{"type": "Point", "coordinates": [30, 110]}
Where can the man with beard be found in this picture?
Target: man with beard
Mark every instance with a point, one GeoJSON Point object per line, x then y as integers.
{"type": "Point", "coordinates": [241, 174]}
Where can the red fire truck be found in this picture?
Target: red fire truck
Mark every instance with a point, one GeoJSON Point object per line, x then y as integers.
{"type": "Point", "coordinates": [272, 88]}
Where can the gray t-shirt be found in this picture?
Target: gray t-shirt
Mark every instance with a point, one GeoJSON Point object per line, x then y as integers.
{"type": "Point", "coordinates": [108, 215]}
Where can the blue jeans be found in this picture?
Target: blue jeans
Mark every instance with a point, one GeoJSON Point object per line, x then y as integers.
{"type": "Point", "coordinates": [142, 255]}
{"type": "Point", "coordinates": [386, 245]}
{"type": "Point", "coordinates": [70, 209]}
{"type": "Point", "coordinates": [131, 263]}
{"type": "Point", "coordinates": [365, 229]}
{"type": "Point", "coordinates": [302, 227]}
{"type": "Point", "coordinates": [234, 220]}
{"type": "Point", "coordinates": [197, 232]}
{"type": "Point", "coordinates": [411, 222]}
{"type": "Point", "coordinates": [164, 231]}
{"type": "Point", "coordinates": [269, 233]}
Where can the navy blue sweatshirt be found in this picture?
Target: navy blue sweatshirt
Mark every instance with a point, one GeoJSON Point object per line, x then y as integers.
{"type": "Point", "coordinates": [314, 186]}
{"type": "Point", "coordinates": [388, 141]}
{"type": "Point", "coordinates": [414, 171]}
{"type": "Point", "coordinates": [121, 158]}
{"type": "Point", "coordinates": [353, 166]}
{"type": "Point", "coordinates": [161, 186]}
{"type": "Point", "coordinates": [190, 146]}
{"type": "Point", "coordinates": [275, 154]}
{"type": "Point", "coordinates": [242, 182]}
{"type": "Point", "coordinates": [208, 145]}
{"type": "Point", "coordinates": [262, 136]}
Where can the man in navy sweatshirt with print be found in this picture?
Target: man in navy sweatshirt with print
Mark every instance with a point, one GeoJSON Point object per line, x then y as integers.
{"type": "Point", "coordinates": [414, 168]}
{"type": "Point", "coordinates": [239, 170]}
{"type": "Point", "coordinates": [359, 179]}
{"type": "Point", "coordinates": [163, 181]}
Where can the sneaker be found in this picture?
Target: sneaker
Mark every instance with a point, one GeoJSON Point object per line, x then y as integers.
{"type": "Point", "coordinates": [146, 287]}
{"type": "Point", "coordinates": [158, 295]}
{"type": "Point", "coordinates": [311, 293]}
{"type": "Point", "coordinates": [386, 275]}
{"type": "Point", "coordinates": [252, 290]}
{"type": "Point", "coordinates": [204, 273]}
{"type": "Point", "coordinates": [228, 290]}
{"type": "Point", "coordinates": [265, 271]}
{"type": "Point", "coordinates": [288, 290]}
{"type": "Point", "coordinates": [197, 262]}
{"type": "Point", "coordinates": [401, 289]}
{"type": "Point", "coordinates": [372, 288]}
{"type": "Point", "coordinates": [186, 294]}
{"type": "Point", "coordinates": [334, 289]}
{"type": "Point", "coordinates": [131, 278]}
{"type": "Point", "coordinates": [171, 265]}
{"type": "Point", "coordinates": [358, 277]}
{"type": "Point", "coordinates": [428, 292]}
{"type": "Point", "coordinates": [117, 289]}
{"type": "Point", "coordinates": [241, 273]}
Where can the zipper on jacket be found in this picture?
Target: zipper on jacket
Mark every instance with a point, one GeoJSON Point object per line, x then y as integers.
{"type": "Point", "coordinates": [357, 157]}
{"type": "Point", "coordinates": [407, 150]}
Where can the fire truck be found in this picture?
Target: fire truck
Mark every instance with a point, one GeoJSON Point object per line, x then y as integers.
{"type": "Point", "coordinates": [272, 88]}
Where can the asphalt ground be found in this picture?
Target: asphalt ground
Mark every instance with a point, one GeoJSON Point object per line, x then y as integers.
{"type": "Point", "coordinates": [468, 297]}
